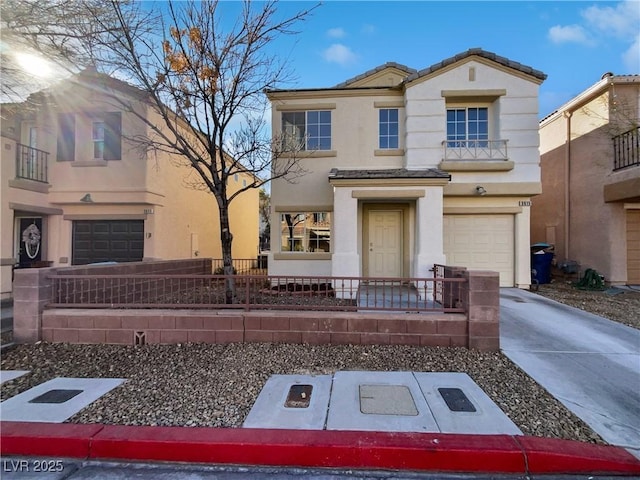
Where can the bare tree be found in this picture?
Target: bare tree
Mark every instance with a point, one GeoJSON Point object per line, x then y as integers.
{"type": "Point", "coordinates": [209, 80]}
{"type": "Point", "coordinates": [203, 78]}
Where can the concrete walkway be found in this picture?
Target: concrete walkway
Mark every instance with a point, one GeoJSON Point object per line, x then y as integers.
{"type": "Point", "coordinates": [590, 364]}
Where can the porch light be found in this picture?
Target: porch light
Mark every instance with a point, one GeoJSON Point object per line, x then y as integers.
{"type": "Point", "coordinates": [480, 190]}
{"type": "Point", "coordinates": [87, 198]}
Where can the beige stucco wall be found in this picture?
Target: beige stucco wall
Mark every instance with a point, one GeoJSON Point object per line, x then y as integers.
{"type": "Point", "coordinates": [180, 221]}
{"type": "Point", "coordinates": [422, 106]}
{"type": "Point", "coordinates": [577, 162]}
{"type": "Point", "coordinates": [513, 116]}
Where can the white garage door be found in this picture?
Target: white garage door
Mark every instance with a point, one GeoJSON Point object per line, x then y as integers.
{"type": "Point", "coordinates": [481, 242]}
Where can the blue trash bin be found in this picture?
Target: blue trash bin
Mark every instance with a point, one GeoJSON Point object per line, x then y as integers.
{"type": "Point", "coordinates": [541, 263]}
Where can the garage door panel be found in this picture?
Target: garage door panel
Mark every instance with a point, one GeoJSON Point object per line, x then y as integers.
{"type": "Point", "coordinates": [113, 240]}
{"type": "Point", "coordinates": [481, 242]}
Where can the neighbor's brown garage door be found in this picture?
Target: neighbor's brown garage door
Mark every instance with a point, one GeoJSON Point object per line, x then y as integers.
{"type": "Point", "coordinates": [633, 247]}
{"type": "Point", "coordinates": [107, 241]}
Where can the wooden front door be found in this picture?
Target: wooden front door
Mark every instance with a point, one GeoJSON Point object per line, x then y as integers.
{"type": "Point", "coordinates": [385, 243]}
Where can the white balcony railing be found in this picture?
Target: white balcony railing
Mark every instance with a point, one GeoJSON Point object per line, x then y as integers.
{"type": "Point", "coordinates": [475, 149]}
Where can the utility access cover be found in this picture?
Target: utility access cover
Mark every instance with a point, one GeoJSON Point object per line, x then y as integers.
{"type": "Point", "coordinates": [56, 396]}
{"type": "Point", "coordinates": [387, 400]}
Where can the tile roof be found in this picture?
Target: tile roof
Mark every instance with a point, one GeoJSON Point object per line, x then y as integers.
{"type": "Point", "coordinates": [388, 173]}
{"type": "Point", "coordinates": [481, 53]}
{"type": "Point", "coordinates": [377, 69]}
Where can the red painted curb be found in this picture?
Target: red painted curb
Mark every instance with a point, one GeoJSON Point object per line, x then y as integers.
{"type": "Point", "coordinates": [316, 448]}
{"type": "Point", "coordinates": [551, 455]}
{"type": "Point", "coordinates": [47, 439]}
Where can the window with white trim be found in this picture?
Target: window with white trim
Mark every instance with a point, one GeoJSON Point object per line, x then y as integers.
{"type": "Point", "coordinates": [388, 128]}
{"type": "Point", "coordinates": [467, 127]}
{"type": "Point", "coordinates": [305, 232]}
{"type": "Point", "coordinates": [98, 140]}
{"type": "Point", "coordinates": [309, 130]}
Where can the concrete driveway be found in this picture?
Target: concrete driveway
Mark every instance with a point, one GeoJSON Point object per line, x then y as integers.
{"type": "Point", "coordinates": [590, 364]}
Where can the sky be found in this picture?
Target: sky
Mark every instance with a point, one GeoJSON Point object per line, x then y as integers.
{"type": "Point", "coordinates": [573, 42]}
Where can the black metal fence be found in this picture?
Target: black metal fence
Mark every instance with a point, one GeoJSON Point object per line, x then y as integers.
{"type": "Point", "coordinates": [31, 163]}
{"type": "Point", "coordinates": [626, 149]}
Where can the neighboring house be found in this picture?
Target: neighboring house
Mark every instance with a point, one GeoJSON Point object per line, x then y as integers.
{"type": "Point", "coordinates": [590, 203]}
{"type": "Point", "coordinates": [76, 191]}
{"type": "Point", "coordinates": [407, 169]}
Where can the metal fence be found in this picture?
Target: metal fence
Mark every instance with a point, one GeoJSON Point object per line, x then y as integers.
{"type": "Point", "coordinates": [31, 163]}
{"type": "Point", "coordinates": [626, 149]}
{"type": "Point", "coordinates": [258, 292]}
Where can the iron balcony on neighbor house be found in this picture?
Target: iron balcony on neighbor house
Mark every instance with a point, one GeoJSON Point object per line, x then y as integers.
{"type": "Point", "coordinates": [626, 149]}
{"type": "Point", "coordinates": [475, 149]}
{"type": "Point", "coordinates": [32, 164]}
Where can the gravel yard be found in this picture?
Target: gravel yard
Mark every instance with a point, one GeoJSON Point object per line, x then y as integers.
{"type": "Point", "coordinates": [622, 307]}
{"type": "Point", "coordinates": [216, 385]}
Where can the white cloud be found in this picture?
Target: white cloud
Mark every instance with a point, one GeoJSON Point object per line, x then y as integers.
{"type": "Point", "coordinates": [340, 54]}
{"type": "Point", "coordinates": [336, 33]}
{"type": "Point", "coordinates": [569, 34]}
{"type": "Point", "coordinates": [621, 20]}
{"type": "Point", "coordinates": [631, 57]}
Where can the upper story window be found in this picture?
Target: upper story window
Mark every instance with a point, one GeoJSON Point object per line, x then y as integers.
{"type": "Point", "coordinates": [467, 126]}
{"type": "Point", "coordinates": [91, 137]}
{"type": "Point", "coordinates": [309, 130]}
{"type": "Point", "coordinates": [388, 128]}
{"type": "Point", "coordinates": [98, 140]}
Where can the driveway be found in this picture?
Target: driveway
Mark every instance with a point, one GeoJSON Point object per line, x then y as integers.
{"type": "Point", "coordinates": [590, 364]}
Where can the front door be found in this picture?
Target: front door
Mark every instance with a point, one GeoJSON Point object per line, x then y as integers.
{"type": "Point", "coordinates": [30, 241]}
{"type": "Point", "coordinates": [385, 243]}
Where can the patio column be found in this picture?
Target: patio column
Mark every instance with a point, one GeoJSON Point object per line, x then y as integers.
{"type": "Point", "coordinates": [345, 261]}
{"type": "Point", "coordinates": [429, 232]}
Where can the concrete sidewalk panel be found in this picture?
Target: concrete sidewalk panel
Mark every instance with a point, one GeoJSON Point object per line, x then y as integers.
{"type": "Point", "coordinates": [270, 410]}
{"type": "Point", "coordinates": [346, 407]}
{"type": "Point", "coordinates": [487, 417]}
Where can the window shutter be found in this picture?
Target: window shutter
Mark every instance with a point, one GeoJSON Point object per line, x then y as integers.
{"type": "Point", "coordinates": [112, 136]}
{"type": "Point", "coordinates": [66, 151]}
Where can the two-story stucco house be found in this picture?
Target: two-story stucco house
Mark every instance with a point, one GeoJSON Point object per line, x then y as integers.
{"type": "Point", "coordinates": [590, 203]}
{"type": "Point", "coordinates": [76, 189]}
{"type": "Point", "coordinates": [407, 169]}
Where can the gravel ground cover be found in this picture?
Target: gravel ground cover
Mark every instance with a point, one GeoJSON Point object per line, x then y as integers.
{"type": "Point", "coordinates": [216, 385]}
{"type": "Point", "coordinates": [622, 307]}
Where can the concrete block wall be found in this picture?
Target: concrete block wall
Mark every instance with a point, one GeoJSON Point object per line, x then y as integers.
{"type": "Point", "coordinates": [481, 301]}
{"type": "Point", "coordinates": [33, 290]}
{"type": "Point", "coordinates": [181, 326]}
{"type": "Point", "coordinates": [477, 328]}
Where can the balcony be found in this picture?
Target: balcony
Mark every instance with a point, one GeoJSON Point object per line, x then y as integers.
{"type": "Point", "coordinates": [31, 164]}
{"type": "Point", "coordinates": [475, 155]}
{"type": "Point", "coordinates": [475, 149]}
{"type": "Point", "coordinates": [626, 149]}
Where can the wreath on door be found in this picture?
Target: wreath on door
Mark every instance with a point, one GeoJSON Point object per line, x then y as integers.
{"type": "Point", "coordinates": [31, 238]}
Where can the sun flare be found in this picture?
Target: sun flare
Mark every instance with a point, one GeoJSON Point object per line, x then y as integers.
{"type": "Point", "coordinates": [34, 65]}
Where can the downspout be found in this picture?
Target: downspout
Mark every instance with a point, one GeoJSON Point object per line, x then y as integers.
{"type": "Point", "coordinates": [567, 182]}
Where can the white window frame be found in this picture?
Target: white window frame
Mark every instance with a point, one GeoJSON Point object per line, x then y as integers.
{"type": "Point", "coordinates": [98, 140]}
{"type": "Point", "coordinates": [297, 137]}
